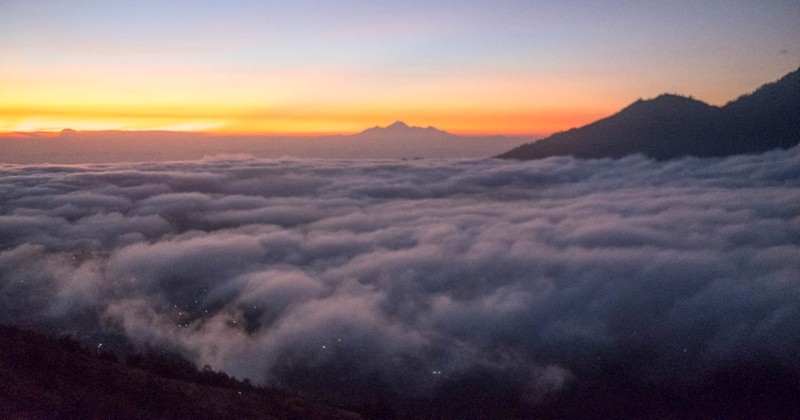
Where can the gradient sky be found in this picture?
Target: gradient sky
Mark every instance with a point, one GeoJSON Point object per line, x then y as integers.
{"type": "Point", "coordinates": [340, 66]}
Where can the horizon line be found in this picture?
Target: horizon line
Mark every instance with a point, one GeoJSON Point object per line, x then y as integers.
{"type": "Point", "coordinates": [55, 133]}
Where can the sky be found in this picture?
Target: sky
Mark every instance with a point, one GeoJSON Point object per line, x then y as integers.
{"type": "Point", "coordinates": [300, 67]}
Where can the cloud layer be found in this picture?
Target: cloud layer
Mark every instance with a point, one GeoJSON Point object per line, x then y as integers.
{"type": "Point", "coordinates": [404, 276]}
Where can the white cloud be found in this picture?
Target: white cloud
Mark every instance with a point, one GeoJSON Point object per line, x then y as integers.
{"type": "Point", "coordinates": [558, 268]}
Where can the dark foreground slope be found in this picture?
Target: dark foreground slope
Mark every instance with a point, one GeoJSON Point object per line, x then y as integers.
{"type": "Point", "coordinates": [671, 126]}
{"type": "Point", "coordinates": [47, 378]}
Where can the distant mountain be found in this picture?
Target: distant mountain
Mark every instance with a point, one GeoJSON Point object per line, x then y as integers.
{"type": "Point", "coordinates": [402, 131]}
{"type": "Point", "coordinates": [397, 141]}
{"type": "Point", "coordinates": [671, 126]}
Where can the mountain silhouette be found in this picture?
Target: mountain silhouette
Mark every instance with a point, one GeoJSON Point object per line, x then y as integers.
{"type": "Point", "coordinates": [402, 131]}
{"type": "Point", "coordinates": [671, 126]}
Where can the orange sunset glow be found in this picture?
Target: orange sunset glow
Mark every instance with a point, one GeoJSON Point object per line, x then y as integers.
{"type": "Point", "coordinates": [313, 104]}
{"type": "Point", "coordinates": [221, 121]}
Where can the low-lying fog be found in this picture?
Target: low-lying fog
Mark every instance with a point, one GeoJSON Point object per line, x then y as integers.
{"type": "Point", "coordinates": [345, 274]}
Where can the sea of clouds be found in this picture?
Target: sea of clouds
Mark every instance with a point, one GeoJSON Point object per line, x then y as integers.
{"type": "Point", "coordinates": [351, 275]}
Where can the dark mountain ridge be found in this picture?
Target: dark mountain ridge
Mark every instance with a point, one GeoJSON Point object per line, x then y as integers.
{"type": "Point", "coordinates": [671, 126]}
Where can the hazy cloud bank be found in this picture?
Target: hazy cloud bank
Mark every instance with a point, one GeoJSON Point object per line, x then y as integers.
{"type": "Point", "coordinates": [352, 275]}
